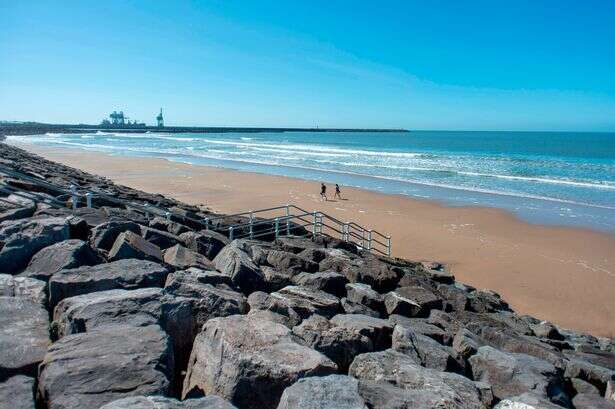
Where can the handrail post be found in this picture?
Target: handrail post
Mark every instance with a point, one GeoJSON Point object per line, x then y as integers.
{"type": "Point", "coordinates": [73, 192]}
{"type": "Point", "coordinates": [369, 240]}
{"type": "Point", "coordinates": [146, 208]}
{"type": "Point", "coordinates": [251, 224]}
{"type": "Point", "coordinates": [287, 219]}
{"type": "Point", "coordinates": [277, 227]}
{"type": "Point", "coordinates": [389, 246]}
{"type": "Point", "coordinates": [345, 230]}
{"type": "Point", "coordinates": [363, 238]}
{"type": "Point", "coordinates": [230, 233]}
{"type": "Point", "coordinates": [88, 199]}
{"type": "Point", "coordinates": [314, 214]}
{"type": "Point", "coordinates": [168, 215]}
{"type": "Point", "coordinates": [207, 223]}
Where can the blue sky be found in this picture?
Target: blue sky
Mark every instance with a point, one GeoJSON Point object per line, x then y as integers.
{"type": "Point", "coordinates": [518, 65]}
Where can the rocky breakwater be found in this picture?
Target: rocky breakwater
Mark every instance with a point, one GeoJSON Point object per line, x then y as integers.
{"type": "Point", "coordinates": [103, 308]}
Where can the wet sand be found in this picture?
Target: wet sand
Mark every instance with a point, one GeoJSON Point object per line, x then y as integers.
{"type": "Point", "coordinates": [564, 275]}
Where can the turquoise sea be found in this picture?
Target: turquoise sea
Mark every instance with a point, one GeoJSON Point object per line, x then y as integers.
{"type": "Point", "coordinates": [559, 178]}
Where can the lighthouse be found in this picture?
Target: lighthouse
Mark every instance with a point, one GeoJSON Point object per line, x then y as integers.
{"type": "Point", "coordinates": [160, 119]}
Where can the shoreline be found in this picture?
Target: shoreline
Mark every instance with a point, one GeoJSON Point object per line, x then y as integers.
{"type": "Point", "coordinates": [562, 274]}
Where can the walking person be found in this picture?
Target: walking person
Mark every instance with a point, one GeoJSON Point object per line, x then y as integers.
{"type": "Point", "coordinates": [338, 193]}
{"type": "Point", "coordinates": [323, 192]}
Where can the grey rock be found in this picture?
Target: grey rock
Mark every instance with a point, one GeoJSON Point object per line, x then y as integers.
{"type": "Point", "coordinates": [122, 274]}
{"type": "Point", "coordinates": [592, 401]}
{"type": "Point", "coordinates": [423, 327]}
{"type": "Point", "coordinates": [363, 294]}
{"type": "Point", "coordinates": [466, 343]}
{"type": "Point", "coordinates": [610, 391]}
{"type": "Point", "coordinates": [161, 402]}
{"type": "Point", "coordinates": [379, 331]}
{"type": "Point", "coordinates": [104, 235]}
{"type": "Point", "coordinates": [512, 374]}
{"type": "Point", "coordinates": [486, 301]}
{"type": "Point", "coordinates": [91, 369]}
{"type": "Point", "coordinates": [327, 392]}
{"type": "Point", "coordinates": [545, 329]}
{"type": "Point", "coordinates": [350, 307]}
{"type": "Point", "coordinates": [24, 238]}
{"type": "Point", "coordinates": [424, 350]}
{"type": "Point", "coordinates": [250, 361]}
{"type": "Point", "coordinates": [17, 213]}
{"type": "Point", "coordinates": [260, 301]}
{"type": "Point", "coordinates": [581, 386]}
{"type": "Point", "coordinates": [422, 386]}
{"type": "Point", "coordinates": [234, 262]}
{"type": "Point", "coordinates": [23, 287]}
{"type": "Point", "coordinates": [24, 336]}
{"type": "Point", "coordinates": [17, 393]}
{"type": "Point", "coordinates": [597, 375]}
{"type": "Point", "coordinates": [129, 245]}
{"type": "Point", "coordinates": [340, 344]}
{"type": "Point", "coordinates": [181, 257]}
{"type": "Point", "coordinates": [66, 254]}
{"type": "Point", "coordinates": [306, 301]}
{"type": "Point", "coordinates": [275, 279]}
{"type": "Point", "coordinates": [160, 238]}
{"type": "Point", "coordinates": [87, 312]}
{"type": "Point", "coordinates": [207, 242]}
{"type": "Point", "coordinates": [160, 223]}
{"type": "Point", "coordinates": [369, 270]}
{"type": "Point", "coordinates": [327, 281]}
{"type": "Point", "coordinates": [526, 401]}
{"type": "Point", "coordinates": [411, 301]}
{"type": "Point", "coordinates": [283, 260]}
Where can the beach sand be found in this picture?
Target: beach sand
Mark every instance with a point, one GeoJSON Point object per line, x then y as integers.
{"type": "Point", "coordinates": [564, 275]}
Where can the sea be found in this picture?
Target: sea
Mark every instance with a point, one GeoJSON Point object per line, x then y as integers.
{"type": "Point", "coordinates": [553, 178]}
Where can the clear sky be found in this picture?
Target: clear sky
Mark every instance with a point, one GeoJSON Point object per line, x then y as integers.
{"type": "Point", "coordinates": [518, 65]}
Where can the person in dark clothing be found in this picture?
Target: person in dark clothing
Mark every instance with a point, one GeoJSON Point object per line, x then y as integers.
{"type": "Point", "coordinates": [323, 191]}
{"type": "Point", "coordinates": [338, 193]}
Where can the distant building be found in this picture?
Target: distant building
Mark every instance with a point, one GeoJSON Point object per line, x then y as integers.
{"type": "Point", "coordinates": [160, 119]}
{"type": "Point", "coordinates": [119, 120]}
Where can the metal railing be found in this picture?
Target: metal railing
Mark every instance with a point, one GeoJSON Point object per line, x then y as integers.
{"type": "Point", "coordinates": [273, 222]}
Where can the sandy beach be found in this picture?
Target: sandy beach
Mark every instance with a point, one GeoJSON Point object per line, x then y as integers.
{"type": "Point", "coordinates": [564, 275]}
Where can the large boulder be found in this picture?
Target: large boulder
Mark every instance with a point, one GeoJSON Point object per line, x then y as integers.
{"type": "Point", "coordinates": [24, 336]}
{"type": "Point", "coordinates": [274, 307]}
{"type": "Point", "coordinates": [129, 245]}
{"type": "Point", "coordinates": [237, 264]}
{"type": "Point", "coordinates": [160, 223]}
{"type": "Point", "coordinates": [512, 374]}
{"type": "Point", "coordinates": [23, 287]}
{"type": "Point", "coordinates": [327, 281]}
{"type": "Point", "coordinates": [179, 256]}
{"type": "Point", "coordinates": [327, 392]}
{"type": "Point", "coordinates": [424, 327]}
{"type": "Point", "coordinates": [526, 401]}
{"type": "Point", "coordinates": [66, 254]}
{"type": "Point", "coordinates": [592, 401]}
{"type": "Point", "coordinates": [160, 238]}
{"type": "Point", "coordinates": [104, 235]}
{"type": "Point", "coordinates": [307, 301]}
{"type": "Point", "coordinates": [424, 350]}
{"type": "Point", "coordinates": [122, 274]}
{"type": "Point", "coordinates": [379, 331]}
{"type": "Point", "coordinates": [84, 313]}
{"type": "Point", "coordinates": [338, 343]}
{"type": "Point", "coordinates": [284, 260]}
{"type": "Point", "coordinates": [17, 393]}
{"type": "Point", "coordinates": [23, 238]}
{"type": "Point", "coordinates": [365, 295]}
{"type": "Point", "coordinates": [368, 270]}
{"type": "Point", "coordinates": [160, 402]}
{"type": "Point", "coordinates": [249, 361]}
{"type": "Point", "coordinates": [206, 242]}
{"type": "Point", "coordinates": [422, 386]}
{"type": "Point", "coordinates": [411, 301]}
{"type": "Point", "coordinates": [90, 369]}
